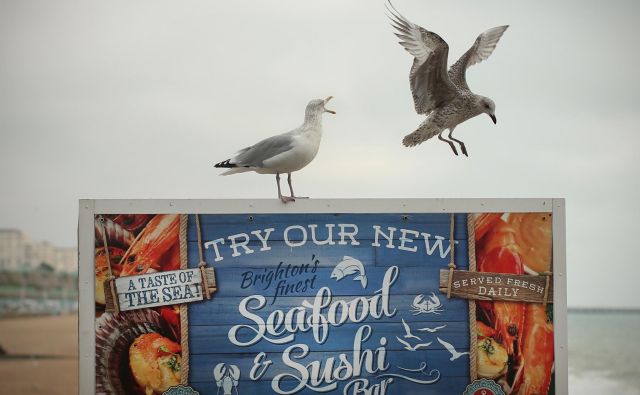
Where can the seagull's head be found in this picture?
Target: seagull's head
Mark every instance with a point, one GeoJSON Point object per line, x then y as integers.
{"type": "Point", "coordinates": [488, 107]}
{"type": "Point", "coordinates": [317, 106]}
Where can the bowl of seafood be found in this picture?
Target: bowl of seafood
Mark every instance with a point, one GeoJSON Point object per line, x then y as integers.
{"type": "Point", "coordinates": [136, 353]}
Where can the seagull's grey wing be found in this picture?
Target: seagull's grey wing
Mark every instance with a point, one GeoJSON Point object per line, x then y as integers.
{"type": "Point", "coordinates": [255, 155]}
{"type": "Point", "coordinates": [481, 49]}
{"type": "Point", "coordinates": [430, 84]}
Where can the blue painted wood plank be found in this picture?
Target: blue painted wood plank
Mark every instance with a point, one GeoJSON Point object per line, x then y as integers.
{"type": "Point", "coordinates": [203, 364]}
{"type": "Point", "coordinates": [215, 339]}
{"type": "Point", "coordinates": [330, 255]}
{"type": "Point", "coordinates": [249, 219]}
{"type": "Point", "coordinates": [222, 226]}
{"type": "Point", "coordinates": [327, 256]}
{"type": "Point", "coordinates": [223, 311]}
{"type": "Point", "coordinates": [411, 281]}
{"type": "Point", "coordinates": [444, 386]}
{"type": "Point", "coordinates": [395, 257]}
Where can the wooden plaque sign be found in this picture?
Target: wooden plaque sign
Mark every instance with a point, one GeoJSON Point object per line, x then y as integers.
{"type": "Point", "coordinates": [346, 297]}
{"type": "Point", "coordinates": [497, 286]}
{"type": "Point", "coordinates": [159, 289]}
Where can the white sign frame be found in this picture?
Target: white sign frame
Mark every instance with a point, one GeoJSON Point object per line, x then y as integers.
{"type": "Point", "coordinates": [90, 207]}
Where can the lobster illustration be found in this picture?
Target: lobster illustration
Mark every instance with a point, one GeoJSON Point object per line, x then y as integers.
{"type": "Point", "coordinates": [515, 340]}
{"type": "Point", "coordinates": [226, 377]}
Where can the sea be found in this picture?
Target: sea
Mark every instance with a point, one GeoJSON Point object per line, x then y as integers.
{"type": "Point", "coordinates": [604, 352]}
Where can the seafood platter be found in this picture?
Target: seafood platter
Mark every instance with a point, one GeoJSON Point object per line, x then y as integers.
{"type": "Point", "coordinates": [350, 297]}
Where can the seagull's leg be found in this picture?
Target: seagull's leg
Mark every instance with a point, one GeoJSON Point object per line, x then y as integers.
{"type": "Point", "coordinates": [278, 183]}
{"type": "Point", "coordinates": [462, 147]}
{"type": "Point", "coordinates": [291, 189]}
{"type": "Point", "coordinates": [284, 199]}
{"type": "Point", "coordinates": [453, 147]}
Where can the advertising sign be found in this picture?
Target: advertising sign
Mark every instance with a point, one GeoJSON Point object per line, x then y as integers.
{"type": "Point", "coordinates": [328, 296]}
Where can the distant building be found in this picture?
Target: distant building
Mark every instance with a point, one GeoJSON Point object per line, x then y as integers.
{"type": "Point", "coordinates": [13, 244]}
{"type": "Point", "coordinates": [17, 252]}
{"type": "Point", "coordinates": [66, 259]}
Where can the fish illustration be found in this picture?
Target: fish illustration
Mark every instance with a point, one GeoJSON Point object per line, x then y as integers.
{"type": "Point", "coordinates": [349, 266]}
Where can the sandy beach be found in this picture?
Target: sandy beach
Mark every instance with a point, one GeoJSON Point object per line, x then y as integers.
{"type": "Point", "coordinates": [41, 355]}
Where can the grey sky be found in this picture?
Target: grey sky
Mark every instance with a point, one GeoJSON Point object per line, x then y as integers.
{"type": "Point", "coordinates": [137, 99]}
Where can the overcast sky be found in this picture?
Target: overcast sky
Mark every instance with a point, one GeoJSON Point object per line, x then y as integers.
{"type": "Point", "coordinates": [137, 99]}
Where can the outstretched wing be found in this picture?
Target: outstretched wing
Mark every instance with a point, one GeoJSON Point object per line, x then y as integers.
{"type": "Point", "coordinates": [406, 326]}
{"type": "Point", "coordinates": [432, 330]}
{"type": "Point", "coordinates": [481, 49]}
{"type": "Point", "coordinates": [447, 345]}
{"type": "Point", "coordinates": [407, 345]}
{"type": "Point", "coordinates": [430, 84]}
{"type": "Point", "coordinates": [422, 345]}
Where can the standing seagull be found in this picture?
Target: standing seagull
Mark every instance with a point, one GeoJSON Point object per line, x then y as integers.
{"type": "Point", "coordinates": [284, 153]}
{"type": "Point", "coordinates": [444, 97]}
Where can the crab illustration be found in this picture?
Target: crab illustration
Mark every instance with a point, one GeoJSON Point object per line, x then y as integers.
{"type": "Point", "coordinates": [431, 306]}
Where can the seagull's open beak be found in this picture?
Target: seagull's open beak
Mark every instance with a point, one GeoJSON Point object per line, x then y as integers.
{"type": "Point", "coordinates": [325, 102]}
{"type": "Point", "coordinates": [493, 118]}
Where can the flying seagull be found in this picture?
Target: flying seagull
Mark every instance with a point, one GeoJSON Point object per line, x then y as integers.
{"type": "Point", "coordinates": [284, 153]}
{"type": "Point", "coordinates": [407, 329]}
{"type": "Point", "coordinates": [409, 347]}
{"type": "Point", "coordinates": [444, 97]}
{"type": "Point", "coordinates": [432, 330]}
{"type": "Point", "coordinates": [454, 354]}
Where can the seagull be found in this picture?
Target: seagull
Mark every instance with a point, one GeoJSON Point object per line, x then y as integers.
{"type": "Point", "coordinates": [454, 354]}
{"type": "Point", "coordinates": [409, 347]}
{"type": "Point", "coordinates": [432, 330]}
{"type": "Point", "coordinates": [445, 98]}
{"type": "Point", "coordinates": [408, 330]}
{"type": "Point", "coordinates": [284, 153]}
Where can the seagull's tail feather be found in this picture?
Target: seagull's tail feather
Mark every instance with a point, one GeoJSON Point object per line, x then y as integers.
{"type": "Point", "coordinates": [425, 131]}
{"type": "Point", "coordinates": [236, 170]}
{"type": "Point", "coordinates": [233, 168]}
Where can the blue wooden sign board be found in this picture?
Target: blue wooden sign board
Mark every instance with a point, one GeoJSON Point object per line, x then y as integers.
{"type": "Point", "coordinates": [328, 303]}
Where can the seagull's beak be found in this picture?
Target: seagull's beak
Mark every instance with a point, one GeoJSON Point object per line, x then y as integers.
{"type": "Point", "coordinates": [325, 102]}
{"type": "Point", "coordinates": [493, 118]}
